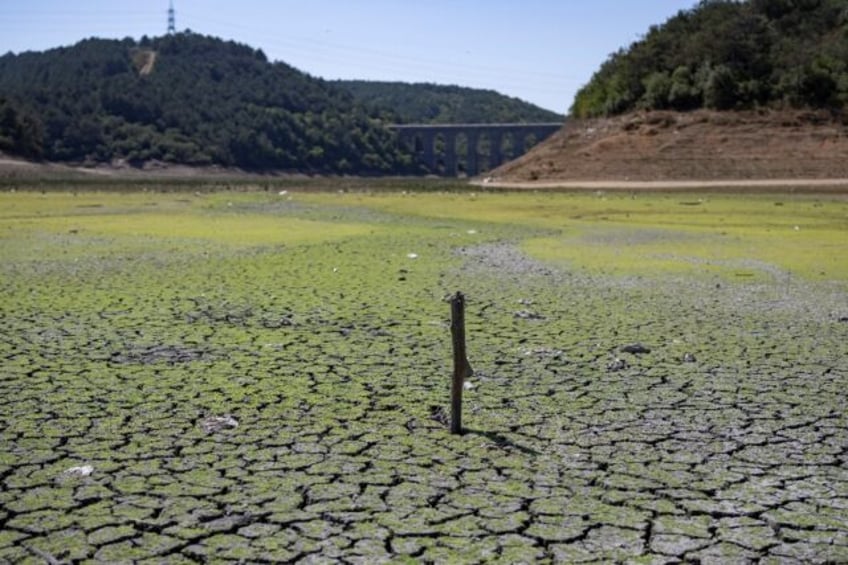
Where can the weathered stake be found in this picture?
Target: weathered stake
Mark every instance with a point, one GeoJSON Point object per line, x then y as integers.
{"type": "Point", "coordinates": [461, 366]}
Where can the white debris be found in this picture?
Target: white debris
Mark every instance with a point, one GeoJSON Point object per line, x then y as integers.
{"type": "Point", "coordinates": [283, 192]}
{"type": "Point", "coordinates": [467, 385]}
{"type": "Point", "coordinates": [412, 255]}
{"type": "Point", "coordinates": [81, 471]}
{"type": "Point", "coordinates": [797, 228]}
{"type": "Point", "coordinates": [471, 232]}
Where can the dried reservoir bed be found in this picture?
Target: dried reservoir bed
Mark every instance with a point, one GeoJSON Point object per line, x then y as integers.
{"type": "Point", "coordinates": [263, 378]}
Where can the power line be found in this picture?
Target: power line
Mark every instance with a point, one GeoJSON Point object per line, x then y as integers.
{"type": "Point", "coordinates": [316, 49]}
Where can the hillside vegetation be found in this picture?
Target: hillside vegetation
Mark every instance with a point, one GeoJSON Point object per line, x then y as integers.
{"type": "Point", "coordinates": [728, 55]}
{"type": "Point", "coordinates": [20, 132]}
{"type": "Point", "coordinates": [202, 101]}
{"type": "Point", "coordinates": [185, 99]}
{"type": "Point", "coordinates": [439, 104]}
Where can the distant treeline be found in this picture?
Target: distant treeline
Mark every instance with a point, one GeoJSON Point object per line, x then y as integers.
{"type": "Point", "coordinates": [441, 104]}
{"type": "Point", "coordinates": [198, 100]}
{"type": "Point", "coordinates": [186, 98]}
{"type": "Point", "coordinates": [727, 55]}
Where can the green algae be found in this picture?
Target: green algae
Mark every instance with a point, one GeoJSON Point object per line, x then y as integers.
{"type": "Point", "coordinates": [649, 234]}
{"type": "Point", "coordinates": [318, 324]}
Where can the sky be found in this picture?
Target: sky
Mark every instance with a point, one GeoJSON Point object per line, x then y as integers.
{"type": "Point", "coordinates": [541, 51]}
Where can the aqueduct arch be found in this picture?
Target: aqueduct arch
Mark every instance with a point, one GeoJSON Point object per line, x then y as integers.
{"type": "Point", "coordinates": [422, 140]}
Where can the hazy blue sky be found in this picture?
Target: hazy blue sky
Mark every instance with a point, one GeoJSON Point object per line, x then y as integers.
{"type": "Point", "coordinates": [538, 50]}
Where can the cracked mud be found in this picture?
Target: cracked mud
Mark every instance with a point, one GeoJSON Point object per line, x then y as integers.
{"type": "Point", "coordinates": [167, 400]}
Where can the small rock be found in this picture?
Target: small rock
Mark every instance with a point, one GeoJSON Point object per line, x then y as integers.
{"type": "Point", "coordinates": [616, 364]}
{"type": "Point", "coordinates": [636, 349]}
{"type": "Point", "coordinates": [438, 414]}
{"type": "Point", "coordinates": [468, 385]}
{"type": "Point", "coordinates": [218, 423]}
{"type": "Point", "coordinates": [689, 357]}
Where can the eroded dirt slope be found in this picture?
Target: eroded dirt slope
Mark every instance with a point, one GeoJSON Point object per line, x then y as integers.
{"type": "Point", "coordinates": [703, 145]}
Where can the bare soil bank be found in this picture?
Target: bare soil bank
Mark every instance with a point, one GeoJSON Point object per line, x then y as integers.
{"type": "Point", "coordinates": [695, 146]}
{"type": "Point", "coordinates": [12, 167]}
{"type": "Point", "coordinates": [802, 151]}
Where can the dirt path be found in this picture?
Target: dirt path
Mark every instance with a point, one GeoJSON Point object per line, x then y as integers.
{"type": "Point", "coordinates": [807, 185]}
{"type": "Point", "coordinates": [149, 64]}
{"type": "Point", "coordinates": [4, 162]}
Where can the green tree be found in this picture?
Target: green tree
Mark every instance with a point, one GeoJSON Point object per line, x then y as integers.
{"type": "Point", "coordinates": [683, 94]}
{"type": "Point", "coordinates": [657, 91]}
{"type": "Point", "coordinates": [720, 88]}
{"type": "Point", "coordinates": [729, 54]}
{"type": "Point", "coordinates": [20, 132]}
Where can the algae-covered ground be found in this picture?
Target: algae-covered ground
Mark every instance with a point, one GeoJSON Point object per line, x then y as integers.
{"type": "Point", "coordinates": [263, 377]}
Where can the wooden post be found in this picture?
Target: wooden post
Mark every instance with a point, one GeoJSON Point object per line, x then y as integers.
{"type": "Point", "coordinates": [461, 367]}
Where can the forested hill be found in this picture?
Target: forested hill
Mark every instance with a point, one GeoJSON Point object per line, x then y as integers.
{"type": "Point", "coordinates": [185, 98]}
{"type": "Point", "coordinates": [432, 103]}
{"type": "Point", "coordinates": [725, 55]}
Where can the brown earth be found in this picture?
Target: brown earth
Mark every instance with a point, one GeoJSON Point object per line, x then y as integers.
{"type": "Point", "coordinates": [144, 61]}
{"type": "Point", "coordinates": [147, 68]}
{"type": "Point", "coordinates": [704, 146]}
{"type": "Point", "coordinates": [762, 150]}
{"type": "Point", "coordinates": [12, 167]}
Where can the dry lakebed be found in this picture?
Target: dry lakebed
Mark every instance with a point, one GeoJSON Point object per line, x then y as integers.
{"type": "Point", "coordinates": [264, 376]}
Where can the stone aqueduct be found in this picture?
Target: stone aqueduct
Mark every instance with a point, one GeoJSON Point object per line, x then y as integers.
{"type": "Point", "coordinates": [454, 149]}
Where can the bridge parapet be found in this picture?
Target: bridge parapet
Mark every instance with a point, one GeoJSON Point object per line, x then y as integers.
{"type": "Point", "coordinates": [451, 149]}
